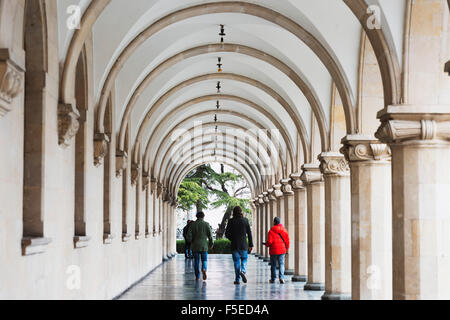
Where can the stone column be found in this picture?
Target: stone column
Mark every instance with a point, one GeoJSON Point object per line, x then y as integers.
{"type": "Point", "coordinates": [300, 234]}
{"type": "Point", "coordinates": [272, 206]}
{"type": "Point", "coordinates": [312, 178]}
{"type": "Point", "coordinates": [266, 223]}
{"type": "Point", "coordinates": [419, 137]}
{"type": "Point", "coordinates": [336, 173]}
{"type": "Point", "coordinates": [289, 223]}
{"type": "Point", "coordinates": [261, 226]}
{"type": "Point", "coordinates": [370, 176]}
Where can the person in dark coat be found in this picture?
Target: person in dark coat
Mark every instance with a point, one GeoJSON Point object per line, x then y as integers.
{"type": "Point", "coordinates": [238, 228]}
{"type": "Point", "coordinates": [188, 251]}
{"type": "Point", "coordinates": [198, 235]}
{"type": "Point", "coordinates": [278, 243]}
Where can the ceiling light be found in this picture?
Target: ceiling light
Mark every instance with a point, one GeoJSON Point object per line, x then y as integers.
{"type": "Point", "coordinates": [218, 87]}
{"type": "Point", "coordinates": [219, 65]}
{"type": "Point", "coordinates": [218, 105]}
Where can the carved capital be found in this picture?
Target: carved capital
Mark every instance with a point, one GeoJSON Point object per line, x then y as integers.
{"type": "Point", "coordinates": [121, 162]}
{"type": "Point", "coordinates": [266, 197]}
{"type": "Point", "coordinates": [311, 174]}
{"type": "Point", "coordinates": [271, 194]}
{"type": "Point", "coordinates": [153, 185]}
{"type": "Point", "coordinates": [296, 181]}
{"type": "Point", "coordinates": [405, 123]}
{"type": "Point", "coordinates": [145, 180]}
{"type": "Point", "coordinates": [360, 148]}
{"type": "Point", "coordinates": [68, 123]}
{"type": "Point", "coordinates": [261, 199]}
{"type": "Point", "coordinates": [11, 80]}
{"type": "Point", "coordinates": [286, 187]}
{"type": "Point", "coordinates": [333, 164]}
{"type": "Point", "coordinates": [277, 190]}
{"type": "Point", "coordinates": [159, 189]}
{"type": "Point", "coordinates": [135, 173]}
{"type": "Point", "coordinates": [101, 143]}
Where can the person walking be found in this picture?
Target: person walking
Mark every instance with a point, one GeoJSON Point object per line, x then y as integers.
{"type": "Point", "coordinates": [237, 231]}
{"type": "Point", "coordinates": [278, 243]}
{"type": "Point", "coordinates": [198, 235]}
{"type": "Point", "coordinates": [188, 251]}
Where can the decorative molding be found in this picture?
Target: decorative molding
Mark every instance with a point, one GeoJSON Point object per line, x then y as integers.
{"type": "Point", "coordinates": [135, 173]}
{"type": "Point", "coordinates": [311, 174]}
{"type": "Point", "coordinates": [11, 80]}
{"type": "Point", "coordinates": [296, 181]}
{"type": "Point", "coordinates": [394, 131]}
{"type": "Point", "coordinates": [286, 187]}
{"type": "Point", "coordinates": [401, 123]}
{"type": "Point", "coordinates": [271, 195]}
{"type": "Point", "coordinates": [81, 241]}
{"type": "Point", "coordinates": [145, 180]}
{"type": "Point", "coordinates": [32, 246]}
{"type": "Point", "coordinates": [68, 124]}
{"type": "Point", "coordinates": [261, 199]}
{"type": "Point", "coordinates": [333, 164]}
{"type": "Point", "coordinates": [277, 190]}
{"type": "Point", "coordinates": [121, 162]}
{"type": "Point", "coordinates": [359, 148]}
{"type": "Point", "coordinates": [153, 185]}
{"type": "Point", "coordinates": [101, 143]}
{"type": "Point", "coordinates": [159, 189]}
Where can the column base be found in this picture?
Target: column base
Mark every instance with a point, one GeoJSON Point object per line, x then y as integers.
{"type": "Point", "coordinates": [265, 259]}
{"type": "Point", "coordinates": [289, 272]}
{"type": "Point", "coordinates": [299, 278]}
{"type": "Point", "coordinates": [336, 296]}
{"type": "Point", "coordinates": [314, 286]}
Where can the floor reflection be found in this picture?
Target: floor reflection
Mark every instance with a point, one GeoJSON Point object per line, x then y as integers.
{"type": "Point", "coordinates": [175, 280]}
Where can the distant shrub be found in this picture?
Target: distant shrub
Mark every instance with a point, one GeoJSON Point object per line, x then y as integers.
{"type": "Point", "coordinates": [221, 246]}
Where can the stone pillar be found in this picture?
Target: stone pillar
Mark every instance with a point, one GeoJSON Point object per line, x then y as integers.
{"type": "Point", "coordinates": [419, 137]}
{"type": "Point", "coordinates": [280, 202]}
{"type": "Point", "coordinates": [261, 226]}
{"type": "Point", "coordinates": [300, 234]}
{"type": "Point", "coordinates": [336, 173]}
{"type": "Point", "coordinates": [266, 224]}
{"type": "Point", "coordinates": [289, 223]}
{"type": "Point", "coordinates": [312, 178]}
{"type": "Point", "coordinates": [370, 176]}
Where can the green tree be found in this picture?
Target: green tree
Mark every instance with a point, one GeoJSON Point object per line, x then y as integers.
{"type": "Point", "coordinates": [223, 188]}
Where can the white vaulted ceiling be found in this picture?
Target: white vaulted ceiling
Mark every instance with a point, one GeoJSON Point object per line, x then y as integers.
{"type": "Point", "coordinates": [331, 22]}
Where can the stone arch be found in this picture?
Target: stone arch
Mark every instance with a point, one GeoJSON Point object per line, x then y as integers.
{"type": "Point", "coordinates": [178, 125]}
{"type": "Point", "coordinates": [174, 147]}
{"type": "Point", "coordinates": [259, 173]}
{"type": "Point", "coordinates": [300, 81]}
{"type": "Point", "coordinates": [175, 185]}
{"type": "Point", "coordinates": [183, 107]}
{"type": "Point", "coordinates": [296, 118]}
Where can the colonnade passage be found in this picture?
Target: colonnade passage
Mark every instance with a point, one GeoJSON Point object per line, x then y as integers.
{"type": "Point", "coordinates": [336, 113]}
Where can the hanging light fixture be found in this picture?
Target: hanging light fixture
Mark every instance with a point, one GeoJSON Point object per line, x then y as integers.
{"type": "Point", "coordinates": [219, 64]}
{"type": "Point", "coordinates": [218, 105]}
{"type": "Point", "coordinates": [215, 118]}
{"type": "Point", "coordinates": [222, 33]}
{"type": "Point", "coordinates": [218, 87]}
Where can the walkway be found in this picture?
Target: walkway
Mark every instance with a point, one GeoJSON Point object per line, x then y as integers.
{"type": "Point", "coordinates": [174, 280]}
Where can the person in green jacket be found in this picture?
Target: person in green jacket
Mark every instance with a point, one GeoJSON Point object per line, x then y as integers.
{"type": "Point", "coordinates": [198, 235]}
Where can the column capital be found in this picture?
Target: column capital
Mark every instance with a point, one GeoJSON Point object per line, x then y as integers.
{"type": "Point", "coordinates": [286, 187]}
{"type": "Point", "coordinates": [101, 143]}
{"type": "Point", "coordinates": [261, 199]}
{"type": "Point", "coordinates": [403, 123]}
{"type": "Point", "coordinates": [296, 181]}
{"type": "Point", "coordinates": [311, 174]}
{"type": "Point", "coordinates": [333, 164]}
{"type": "Point", "coordinates": [358, 148]}
{"type": "Point", "coordinates": [11, 80]}
{"type": "Point", "coordinates": [121, 162]}
{"type": "Point", "coordinates": [265, 197]}
{"type": "Point", "coordinates": [271, 195]}
{"type": "Point", "coordinates": [135, 173]}
{"type": "Point", "coordinates": [277, 190]}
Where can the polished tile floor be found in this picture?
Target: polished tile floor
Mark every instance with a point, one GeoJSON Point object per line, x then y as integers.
{"type": "Point", "coordinates": [175, 280]}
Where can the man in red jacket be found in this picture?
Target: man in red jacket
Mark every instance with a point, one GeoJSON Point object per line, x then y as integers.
{"type": "Point", "coordinates": [278, 243]}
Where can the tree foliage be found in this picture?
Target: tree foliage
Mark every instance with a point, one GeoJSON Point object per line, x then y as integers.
{"type": "Point", "coordinates": [204, 187]}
